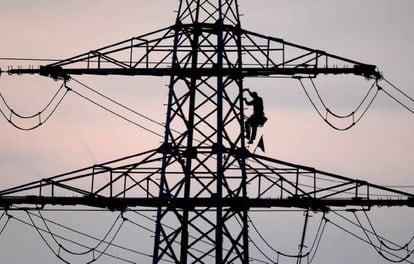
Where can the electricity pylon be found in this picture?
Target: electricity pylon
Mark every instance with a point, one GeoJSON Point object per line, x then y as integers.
{"type": "Point", "coordinates": [203, 180]}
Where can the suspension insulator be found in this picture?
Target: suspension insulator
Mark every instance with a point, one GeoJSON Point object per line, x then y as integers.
{"type": "Point", "coordinates": [55, 72]}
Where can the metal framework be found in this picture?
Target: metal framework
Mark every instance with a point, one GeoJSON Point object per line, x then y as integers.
{"type": "Point", "coordinates": [202, 180]}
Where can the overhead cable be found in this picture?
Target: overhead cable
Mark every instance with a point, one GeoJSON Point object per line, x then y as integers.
{"type": "Point", "coordinates": [48, 110]}
{"type": "Point", "coordinates": [89, 249]}
{"type": "Point", "coordinates": [91, 237]}
{"type": "Point", "coordinates": [395, 247]}
{"type": "Point", "coordinates": [312, 251]}
{"type": "Point", "coordinates": [119, 104]}
{"type": "Point", "coordinates": [114, 113]}
{"type": "Point", "coordinates": [39, 230]}
{"type": "Point", "coordinates": [399, 90]}
{"type": "Point", "coordinates": [356, 115]}
{"type": "Point", "coordinates": [103, 240]}
{"type": "Point", "coordinates": [378, 249]}
{"type": "Point", "coordinates": [259, 249]}
{"type": "Point", "coordinates": [171, 228]}
{"type": "Point", "coordinates": [401, 93]}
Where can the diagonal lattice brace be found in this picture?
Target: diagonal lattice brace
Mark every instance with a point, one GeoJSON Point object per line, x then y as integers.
{"type": "Point", "coordinates": [272, 183]}
{"type": "Point", "coordinates": [152, 54]}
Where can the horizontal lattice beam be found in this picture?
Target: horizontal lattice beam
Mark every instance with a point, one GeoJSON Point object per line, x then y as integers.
{"type": "Point", "coordinates": [134, 182]}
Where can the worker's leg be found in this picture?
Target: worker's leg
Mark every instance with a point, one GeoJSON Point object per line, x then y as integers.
{"type": "Point", "coordinates": [247, 128]}
{"type": "Point", "coordinates": [254, 131]}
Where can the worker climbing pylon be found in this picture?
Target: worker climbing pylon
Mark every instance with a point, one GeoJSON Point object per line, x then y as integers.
{"type": "Point", "coordinates": [258, 117]}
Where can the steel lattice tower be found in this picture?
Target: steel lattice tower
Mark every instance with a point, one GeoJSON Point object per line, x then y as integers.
{"type": "Point", "coordinates": [203, 180]}
{"type": "Point", "coordinates": [206, 108]}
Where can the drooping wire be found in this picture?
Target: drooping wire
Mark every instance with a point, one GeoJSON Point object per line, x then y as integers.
{"type": "Point", "coordinates": [370, 232]}
{"type": "Point", "coordinates": [355, 119]}
{"type": "Point", "coordinates": [113, 112]}
{"type": "Point", "coordinates": [315, 245]}
{"type": "Point", "coordinates": [91, 237]}
{"type": "Point", "coordinates": [89, 249]}
{"type": "Point", "coordinates": [171, 228]}
{"type": "Point", "coordinates": [57, 254]}
{"type": "Point", "coordinates": [382, 241]}
{"type": "Point", "coordinates": [39, 230]}
{"type": "Point", "coordinates": [115, 245]}
{"type": "Point", "coordinates": [378, 249]}
{"type": "Point", "coordinates": [50, 107]}
{"type": "Point", "coordinates": [356, 109]}
{"type": "Point", "coordinates": [263, 253]}
{"type": "Point", "coordinates": [57, 99]}
{"type": "Point", "coordinates": [309, 254]}
{"type": "Point", "coordinates": [258, 248]}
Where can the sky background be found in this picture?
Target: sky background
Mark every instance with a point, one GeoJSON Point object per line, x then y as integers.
{"type": "Point", "coordinates": [378, 149]}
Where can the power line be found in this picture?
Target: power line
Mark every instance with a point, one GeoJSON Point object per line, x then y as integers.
{"type": "Point", "coordinates": [89, 250]}
{"type": "Point", "coordinates": [102, 241]}
{"type": "Point", "coordinates": [119, 104]}
{"type": "Point", "coordinates": [399, 90]}
{"type": "Point", "coordinates": [114, 113]}
{"type": "Point", "coordinates": [171, 228]}
{"type": "Point", "coordinates": [259, 249]}
{"type": "Point", "coordinates": [56, 100]}
{"type": "Point", "coordinates": [39, 230]}
{"type": "Point", "coordinates": [355, 119]}
{"type": "Point", "coordinates": [395, 98]}
{"type": "Point", "coordinates": [29, 59]}
{"type": "Point", "coordinates": [60, 246]}
{"type": "Point", "coordinates": [94, 238]}
{"type": "Point", "coordinates": [378, 249]}
{"type": "Point", "coordinates": [315, 243]}
{"type": "Point", "coordinates": [382, 240]}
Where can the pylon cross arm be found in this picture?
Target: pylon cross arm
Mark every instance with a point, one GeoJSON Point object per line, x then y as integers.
{"type": "Point", "coordinates": [153, 54]}
{"type": "Point", "coordinates": [134, 182]}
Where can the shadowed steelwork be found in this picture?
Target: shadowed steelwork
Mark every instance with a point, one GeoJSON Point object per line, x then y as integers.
{"type": "Point", "coordinates": [202, 180]}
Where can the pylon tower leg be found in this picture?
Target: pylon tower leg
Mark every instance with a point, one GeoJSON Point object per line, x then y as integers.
{"type": "Point", "coordinates": [203, 139]}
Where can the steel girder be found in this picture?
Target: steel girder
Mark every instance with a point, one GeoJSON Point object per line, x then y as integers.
{"type": "Point", "coordinates": [202, 180]}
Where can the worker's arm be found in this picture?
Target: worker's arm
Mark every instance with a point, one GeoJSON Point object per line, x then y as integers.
{"type": "Point", "coordinates": [250, 93]}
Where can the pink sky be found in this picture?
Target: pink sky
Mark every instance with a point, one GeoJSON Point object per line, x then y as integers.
{"type": "Point", "coordinates": [379, 149]}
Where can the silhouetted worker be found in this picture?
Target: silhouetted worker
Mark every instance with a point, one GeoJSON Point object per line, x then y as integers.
{"type": "Point", "coordinates": [257, 118]}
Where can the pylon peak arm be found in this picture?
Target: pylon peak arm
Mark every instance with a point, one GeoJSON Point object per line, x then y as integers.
{"type": "Point", "coordinates": [152, 54]}
{"type": "Point", "coordinates": [272, 56]}
{"type": "Point", "coordinates": [141, 55]}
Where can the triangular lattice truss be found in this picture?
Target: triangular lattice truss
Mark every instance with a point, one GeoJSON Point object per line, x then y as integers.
{"type": "Point", "coordinates": [134, 182]}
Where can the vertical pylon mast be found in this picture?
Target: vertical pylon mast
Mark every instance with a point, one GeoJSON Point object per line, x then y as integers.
{"type": "Point", "coordinates": [204, 118]}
